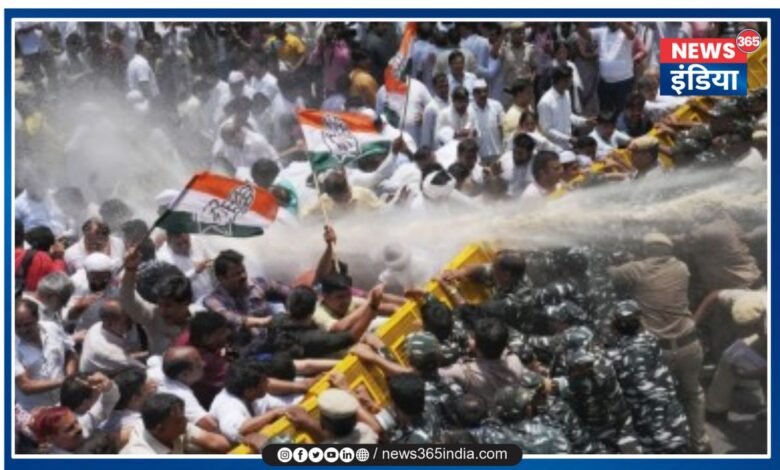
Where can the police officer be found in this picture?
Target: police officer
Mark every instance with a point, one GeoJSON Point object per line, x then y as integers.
{"type": "Point", "coordinates": [504, 275]}
{"type": "Point", "coordinates": [423, 351]}
{"type": "Point", "coordinates": [559, 414]}
{"type": "Point", "coordinates": [647, 384]}
{"type": "Point", "coordinates": [594, 393]}
{"type": "Point", "coordinates": [413, 425]}
{"type": "Point", "coordinates": [471, 412]}
{"type": "Point", "coordinates": [564, 332]}
{"type": "Point", "coordinates": [439, 319]}
{"type": "Point", "coordinates": [523, 425]}
{"type": "Point", "coordinates": [659, 284]}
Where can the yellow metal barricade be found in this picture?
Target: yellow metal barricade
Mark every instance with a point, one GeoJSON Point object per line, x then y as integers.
{"type": "Point", "coordinates": [407, 318]}
{"type": "Point", "coordinates": [757, 67]}
{"type": "Point", "coordinates": [393, 332]}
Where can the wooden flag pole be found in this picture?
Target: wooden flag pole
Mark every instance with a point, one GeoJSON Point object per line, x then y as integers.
{"type": "Point", "coordinates": [402, 123]}
{"type": "Point", "coordinates": [164, 214]}
{"type": "Point", "coordinates": [322, 206]}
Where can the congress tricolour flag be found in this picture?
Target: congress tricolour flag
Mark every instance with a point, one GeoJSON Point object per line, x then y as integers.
{"type": "Point", "coordinates": [395, 83]}
{"type": "Point", "coordinates": [217, 205]}
{"type": "Point", "coordinates": [334, 139]}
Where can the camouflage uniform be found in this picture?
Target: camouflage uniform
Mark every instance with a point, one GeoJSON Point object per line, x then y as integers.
{"type": "Point", "coordinates": [423, 348]}
{"type": "Point", "coordinates": [595, 397]}
{"type": "Point", "coordinates": [553, 350]}
{"type": "Point", "coordinates": [560, 415]}
{"type": "Point", "coordinates": [582, 442]}
{"type": "Point", "coordinates": [539, 434]}
{"type": "Point", "coordinates": [542, 435]}
{"type": "Point", "coordinates": [648, 388]}
{"type": "Point", "coordinates": [417, 431]}
{"type": "Point", "coordinates": [456, 346]}
{"type": "Point", "coordinates": [527, 304]}
{"type": "Point", "coordinates": [492, 431]}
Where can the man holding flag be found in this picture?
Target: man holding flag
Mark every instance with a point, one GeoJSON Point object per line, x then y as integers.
{"type": "Point", "coordinates": [402, 101]}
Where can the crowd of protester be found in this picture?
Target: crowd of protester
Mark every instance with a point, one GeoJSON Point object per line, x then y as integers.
{"type": "Point", "coordinates": [131, 344]}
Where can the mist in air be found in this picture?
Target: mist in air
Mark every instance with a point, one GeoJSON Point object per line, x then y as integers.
{"type": "Point", "coordinates": [110, 150]}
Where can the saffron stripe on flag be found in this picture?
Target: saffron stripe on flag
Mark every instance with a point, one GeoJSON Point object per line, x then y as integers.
{"type": "Point", "coordinates": [355, 122]}
{"type": "Point", "coordinates": [220, 186]}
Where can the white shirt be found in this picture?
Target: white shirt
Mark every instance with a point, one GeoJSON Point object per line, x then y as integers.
{"type": "Point", "coordinates": [576, 88]}
{"type": "Point", "coordinates": [202, 283]}
{"type": "Point", "coordinates": [357, 177]}
{"type": "Point", "coordinates": [518, 178]}
{"type": "Point", "coordinates": [142, 442]}
{"type": "Point", "coordinates": [270, 402]}
{"type": "Point", "coordinates": [423, 56]}
{"type": "Point", "coordinates": [541, 142]}
{"type": "Point", "coordinates": [104, 351]}
{"type": "Point", "coordinates": [443, 60]}
{"type": "Point", "coordinates": [71, 69]}
{"type": "Point", "coordinates": [448, 122]}
{"type": "Point", "coordinates": [139, 71]}
{"type": "Point", "coordinates": [447, 154]}
{"type": "Point", "coordinates": [488, 121]}
{"type": "Point", "coordinates": [535, 193]}
{"type": "Point", "coordinates": [119, 420]}
{"type": "Point", "coordinates": [45, 363]}
{"type": "Point", "coordinates": [34, 213]}
{"type": "Point", "coordinates": [662, 105]}
{"type": "Point", "coordinates": [616, 62]}
{"type": "Point", "coordinates": [254, 148]}
{"type": "Point", "coordinates": [467, 83]}
{"type": "Point", "coordinates": [96, 416]}
{"type": "Point", "coordinates": [230, 412]}
{"type": "Point", "coordinates": [195, 116]}
{"type": "Point", "coordinates": [91, 314]}
{"type": "Point", "coordinates": [651, 37]}
{"type": "Point", "coordinates": [77, 253]}
{"type": "Point", "coordinates": [556, 117]}
{"type": "Point", "coordinates": [479, 46]}
{"type": "Point", "coordinates": [418, 99]}
{"type": "Point", "coordinates": [268, 84]}
{"type": "Point", "coordinates": [430, 114]}
{"type": "Point", "coordinates": [407, 174]}
{"type": "Point", "coordinates": [604, 147]}
{"type": "Point", "coordinates": [160, 334]}
{"type": "Point", "coordinates": [415, 273]}
{"type": "Point", "coordinates": [44, 313]}
{"type": "Point", "coordinates": [193, 411]}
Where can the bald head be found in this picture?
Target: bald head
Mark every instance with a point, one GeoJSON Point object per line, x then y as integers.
{"type": "Point", "coordinates": [114, 318]}
{"type": "Point", "coordinates": [183, 363]}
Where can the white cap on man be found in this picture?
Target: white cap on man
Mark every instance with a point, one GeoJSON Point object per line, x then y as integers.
{"type": "Point", "coordinates": [236, 76]}
{"type": "Point", "coordinates": [98, 263]}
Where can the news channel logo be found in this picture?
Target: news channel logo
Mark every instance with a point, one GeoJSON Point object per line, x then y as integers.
{"type": "Point", "coordinates": [707, 66]}
{"type": "Point", "coordinates": [302, 454]}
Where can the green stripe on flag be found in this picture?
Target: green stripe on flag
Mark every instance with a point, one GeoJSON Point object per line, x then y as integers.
{"type": "Point", "coordinates": [323, 161]}
{"type": "Point", "coordinates": [391, 115]}
{"type": "Point", "coordinates": [185, 222]}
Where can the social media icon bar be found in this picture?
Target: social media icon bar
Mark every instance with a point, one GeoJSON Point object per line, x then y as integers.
{"type": "Point", "coordinates": [284, 455]}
